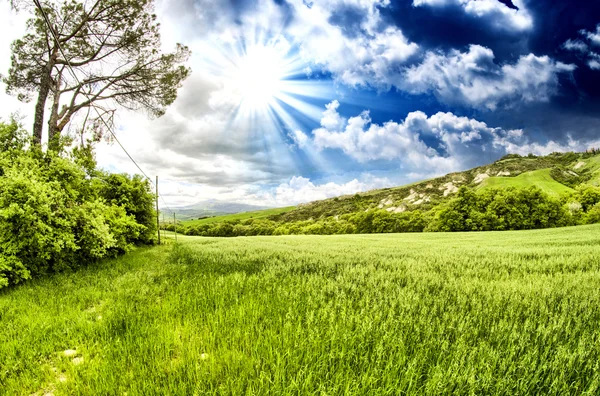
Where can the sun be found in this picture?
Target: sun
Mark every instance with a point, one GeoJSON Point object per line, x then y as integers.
{"type": "Point", "coordinates": [259, 75]}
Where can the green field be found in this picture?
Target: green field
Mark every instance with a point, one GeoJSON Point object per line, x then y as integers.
{"type": "Point", "coordinates": [510, 313]}
{"type": "Point", "coordinates": [257, 214]}
{"type": "Point", "coordinates": [539, 178]}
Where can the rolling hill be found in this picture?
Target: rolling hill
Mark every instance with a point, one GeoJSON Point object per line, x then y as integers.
{"type": "Point", "coordinates": [557, 174]}
{"type": "Point", "coordinates": [210, 209]}
{"type": "Point", "coordinates": [539, 178]}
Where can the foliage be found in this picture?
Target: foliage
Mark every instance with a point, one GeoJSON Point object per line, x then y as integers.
{"type": "Point", "coordinates": [490, 209]}
{"type": "Point", "coordinates": [54, 217]}
{"type": "Point", "coordinates": [112, 45]}
{"type": "Point", "coordinates": [131, 193]}
{"type": "Point", "coordinates": [503, 313]}
{"type": "Point", "coordinates": [500, 209]}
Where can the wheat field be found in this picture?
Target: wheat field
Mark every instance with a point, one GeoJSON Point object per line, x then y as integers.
{"type": "Point", "coordinates": [505, 313]}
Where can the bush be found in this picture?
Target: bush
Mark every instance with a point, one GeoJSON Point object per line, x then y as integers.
{"type": "Point", "coordinates": [54, 216]}
{"type": "Point", "coordinates": [500, 209]}
{"type": "Point", "coordinates": [593, 215]}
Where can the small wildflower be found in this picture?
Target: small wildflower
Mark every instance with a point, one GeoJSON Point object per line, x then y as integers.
{"type": "Point", "coordinates": [70, 352]}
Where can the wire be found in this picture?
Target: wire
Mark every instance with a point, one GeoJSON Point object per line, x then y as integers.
{"type": "Point", "coordinates": [70, 67]}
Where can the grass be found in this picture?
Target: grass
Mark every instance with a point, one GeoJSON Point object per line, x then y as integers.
{"type": "Point", "coordinates": [257, 214]}
{"type": "Point", "coordinates": [510, 313]}
{"type": "Point", "coordinates": [592, 164]}
{"type": "Point", "coordinates": [539, 178]}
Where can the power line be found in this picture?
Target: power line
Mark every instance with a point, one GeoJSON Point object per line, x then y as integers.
{"type": "Point", "coordinates": [70, 67]}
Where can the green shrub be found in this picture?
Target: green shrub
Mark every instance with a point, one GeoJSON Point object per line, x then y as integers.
{"type": "Point", "coordinates": [500, 209]}
{"type": "Point", "coordinates": [54, 216]}
{"type": "Point", "coordinates": [593, 215]}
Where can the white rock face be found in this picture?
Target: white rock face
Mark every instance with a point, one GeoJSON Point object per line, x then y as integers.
{"type": "Point", "coordinates": [503, 173]}
{"type": "Point", "coordinates": [391, 209]}
{"type": "Point", "coordinates": [385, 202]}
{"type": "Point", "coordinates": [400, 209]}
{"type": "Point", "coordinates": [579, 165]}
{"type": "Point", "coordinates": [480, 177]}
{"type": "Point", "coordinates": [449, 188]}
{"type": "Point", "coordinates": [412, 197]}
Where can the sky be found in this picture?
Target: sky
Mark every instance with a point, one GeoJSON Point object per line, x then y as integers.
{"type": "Point", "coordinates": [291, 101]}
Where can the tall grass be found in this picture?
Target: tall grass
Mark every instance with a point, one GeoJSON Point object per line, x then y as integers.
{"type": "Point", "coordinates": [480, 313]}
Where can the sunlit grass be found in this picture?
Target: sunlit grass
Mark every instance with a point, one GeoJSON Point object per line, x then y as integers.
{"type": "Point", "coordinates": [540, 178]}
{"type": "Point", "coordinates": [481, 313]}
{"type": "Point", "coordinates": [256, 214]}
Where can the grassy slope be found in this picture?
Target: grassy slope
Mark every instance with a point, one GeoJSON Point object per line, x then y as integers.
{"type": "Point", "coordinates": [539, 178]}
{"type": "Point", "coordinates": [524, 172]}
{"type": "Point", "coordinates": [258, 214]}
{"type": "Point", "coordinates": [476, 313]}
{"type": "Point", "coordinates": [593, 164]}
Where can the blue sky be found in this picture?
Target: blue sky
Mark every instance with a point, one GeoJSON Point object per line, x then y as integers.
{"type": "Point", "coordinates": [295, 100]}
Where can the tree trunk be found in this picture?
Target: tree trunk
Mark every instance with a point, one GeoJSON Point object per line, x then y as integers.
{"type": "Point", "coordinates": [40, 106]}
{"type": "Point", "coordinates": [53, 131]}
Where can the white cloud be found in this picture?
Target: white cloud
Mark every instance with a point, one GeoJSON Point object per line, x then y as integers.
{"type": "Point", "coordinates": [575, 45]}
{"type": "Point", "coordinates": [498, 14]}
{"type": "Point", "coordinates": [594, 61]}
{"type": "Point", "coordinates": [456, 143]}
{"type": "Point", "coordinates": [295, 190]}
{"type": "Point", "coordinates": [472, 78]}
{"type": "Point", "coordinates": [299, 138]}
{"type": "Point", "coordinates": [300, 189]}
{"type": "Point", "coordinates": [592, 58]}
{"type": "Point", "coordinates": [594, 37]}
{"type": "Point", "coordinates": [365, 55]}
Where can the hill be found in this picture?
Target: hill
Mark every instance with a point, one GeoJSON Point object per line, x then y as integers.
{"type": "Point", "coordinates": [540, 178]}
{"type": "Point", "coordinates": [257, 214]}
{"type": "Point", "coordinates": [208, 209]}
{"type": "Point", "coordinates": [555, 174]}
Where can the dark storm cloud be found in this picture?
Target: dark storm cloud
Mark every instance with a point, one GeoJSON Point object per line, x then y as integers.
{"type": "Point", "coordinates": [509, 4]}
{"type": "Point", "coordinates": [450, 27]}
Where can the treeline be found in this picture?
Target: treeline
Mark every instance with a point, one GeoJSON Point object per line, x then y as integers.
{"type": "Point", "coordinates": [58, 212]}
{"type": "Point", "coordinates": [490, 210]}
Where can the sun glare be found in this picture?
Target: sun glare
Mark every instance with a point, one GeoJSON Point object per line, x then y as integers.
{"type": "Point", "coordinates": [259, 75]}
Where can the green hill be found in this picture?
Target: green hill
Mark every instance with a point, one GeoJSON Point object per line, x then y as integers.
{"type": "Point", "coordinates": [559, 175]}
{"type": "Point", "coordinates": [539, 178]}
{"type": "Point", "coordinates": [257, 214]}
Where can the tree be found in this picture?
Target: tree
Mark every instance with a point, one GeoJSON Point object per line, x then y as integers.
{"type": "Point", "coordinates": [98, 54]}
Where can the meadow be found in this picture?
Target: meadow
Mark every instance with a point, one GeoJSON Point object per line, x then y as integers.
{"type": "Point", "coordinates": [256, 214]}
{"type": "Point", "coordinates": [540, 178]}
{"type": "Point", "coordinates": [495, 313]}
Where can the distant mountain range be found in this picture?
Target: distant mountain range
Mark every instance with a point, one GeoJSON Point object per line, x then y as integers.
{"type": "Point", "coordinates": [209, 208]}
